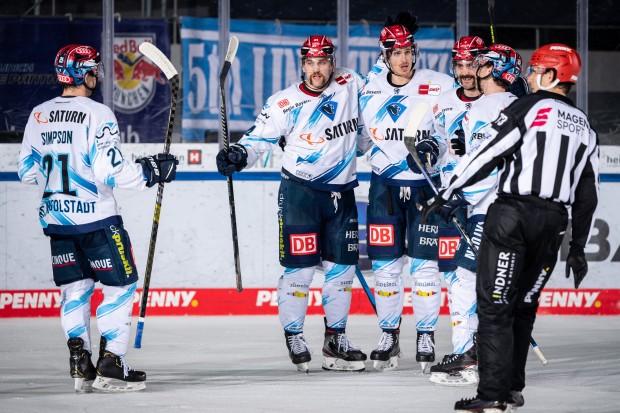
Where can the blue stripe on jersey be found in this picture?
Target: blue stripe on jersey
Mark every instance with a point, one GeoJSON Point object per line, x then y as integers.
{"type": "Point", "coordinates": [336, 271]}
{"type": "Point", "coordinates": [364, 101]}
{"type": "Point", "coordinates": [25, 165]}
{"type": "Point", "coordinates": [318, 112]}
{"type": "Point", "coordinates": [312, 158]}
{"type": "Point", "coordinates": [479, 125]}
{"type": "Point", "coordinates": [61, 218]}
{"type": "Point", "coordinates": [86, 160]}
{"type": "Point", "coordinates": [258, 139]}
{"type": "Point", "coordinates": [333, 172]}
{"type": "Point", "coordinates": [81, 301]}
{"type": "Point", "coordinates": [82, 182]}
{"type": "Point", "coordinates": [457, 123]}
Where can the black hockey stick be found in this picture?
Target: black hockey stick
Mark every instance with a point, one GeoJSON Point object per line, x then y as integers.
{"type": "Point", "coordinates": [230, 56]}
{"type": "Point", "coordinates": [491, 10]}
{"type": "Point", "coordinates": [410, 132]}
{"type": "Point", "coordinates": [162, 62]}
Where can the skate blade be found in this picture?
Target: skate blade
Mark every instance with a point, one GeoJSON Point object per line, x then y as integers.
{"type": "Point", "coordinates": [489, 410]}
{"type": "Point", "coordinates": [302, 367]}
{"type": "Point", "coordinates": [386, 365]}
{"type": "Point", "coordinates": [467, 377]}
{"type": "Point", "coordinates": [336, 364]}
{"type": "Point", "coordinates": [107, 384]}
{"type": "Point", "coordinates": [81, 385]}
{"type": "Point", "coordinates": [426, 367]}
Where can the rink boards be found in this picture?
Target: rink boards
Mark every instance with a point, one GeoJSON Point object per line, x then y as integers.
{"type": "Point", "coordinates": [193, 271]}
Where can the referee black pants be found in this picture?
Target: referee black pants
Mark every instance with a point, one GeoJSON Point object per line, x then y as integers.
{"type": "Point", "coordinates": [519, 248]}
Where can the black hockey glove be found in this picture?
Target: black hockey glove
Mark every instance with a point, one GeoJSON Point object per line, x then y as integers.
{"type": "Point", "coordinates": [457, 144]}
{"type": "Point", "coordinates": [444, 209]}
{"type": "Point", "coordinates": [577, 262]}
{"type": "Point", "coordinates": [519, 87]}
{"type": "Point", "coordinates": [232, 161]}
{"type": "Point", "coordinates": [423, 147]}
{"type": "Point", "coordinates": [159, 168]}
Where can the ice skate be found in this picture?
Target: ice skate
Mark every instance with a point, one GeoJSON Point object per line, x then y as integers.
{"type": "Point", "coordinates": [425, 354]}
{"type": "Point", "coordinates": [114, 375]}
{"type": "Point", "coordinates": [387, 353]}
{"type": "Point", "coordinates": [515, 401]}
{"type": "Point", "coordinates": [456, 369]}
{"type": "Point", "coordinates": [81, 367]}
{"type": "Point", "coordinates": [479, 406]}
{"type": "Point", "coordinates": [340, 354]}
{"type": "Point", "coordinates": [298, 350]}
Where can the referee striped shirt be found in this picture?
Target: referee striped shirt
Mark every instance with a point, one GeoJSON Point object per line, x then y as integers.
{"type": "Point", "coordinates": [544, 147]}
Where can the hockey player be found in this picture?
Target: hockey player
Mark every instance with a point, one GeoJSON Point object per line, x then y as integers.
{"type": "Point", "coordinates": [549, 159]}
{"type": "Point", "coordinates": [71, 151]}
{"type": "Point", "coordinates": [496, 68]}
{"type": "Point", "coordinates": [317, 214]}
{"type": "Point", "coordinates": [395, 189]}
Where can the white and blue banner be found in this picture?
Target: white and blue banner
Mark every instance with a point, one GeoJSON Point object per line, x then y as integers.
{"type": "Point", "coordinates": [268, 61]}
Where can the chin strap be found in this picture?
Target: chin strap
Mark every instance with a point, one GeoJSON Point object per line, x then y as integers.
{"type": "Point", "coordinates": [541, 87]}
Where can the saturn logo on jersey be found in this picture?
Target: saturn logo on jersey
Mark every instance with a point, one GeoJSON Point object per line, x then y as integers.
{"type": "Point", "coordinates": [37, 117]}
{"type": "Point", "coordinates": [381, 235]}
{"type": "Point", "coordinates": [304, 244]}
{"type": "Point", "coordinates": [308, 138]}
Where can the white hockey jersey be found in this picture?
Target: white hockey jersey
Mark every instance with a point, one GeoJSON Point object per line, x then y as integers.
{"type": "Point", "coordinates": [71, 150]}
{"type": "Point", "coordinates": [385, 112]}
{"type": "Point", "coordinates": [320, 132]}
{"type": "Point", "coordinates": [484, 111]}
{"type": "Point", "coordinates": [448, 114]}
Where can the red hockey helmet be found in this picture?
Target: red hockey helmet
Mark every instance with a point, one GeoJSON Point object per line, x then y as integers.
{"type": "Point", "coordinates": [467, 48]}
{"type": "Point", "coordinates": [74, 61]}
{"type": "Point", "coordinates": [395, 37]}
{"type": "Point", "coordinates": [564, 59]}
{"type": "Point", "coordinates": [317, 46]}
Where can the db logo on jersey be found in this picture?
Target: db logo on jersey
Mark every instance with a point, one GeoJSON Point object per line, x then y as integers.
{"type": "Point", "coordinates": [433, 90]}
{"type": "Point", "coordinates": [381, 235]}
{"type": "Point", "coordinates": [448, 246]}
{"type": "Point", "coordinates": [304, 244]}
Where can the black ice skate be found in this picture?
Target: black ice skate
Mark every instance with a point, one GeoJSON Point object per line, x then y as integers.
{"type": "Point", "coordinates": [387, 352]}
{"type": "Point", "coordinates": [114, 375]}
{"type": "Point", "coordinates": [425, 354]}
{"type": "Point", "coordinates": [456, 369]}
{"type": "Point", "coordinates": [298, 350]}
{"type": "Point", "coordinates": [515, 400]}
{"type": "Point", "coordinates": [479, 406]}
{"type": "Point", "coordinates": [81, 367]}
{"type": "Point", "coordinates": [340, 354]}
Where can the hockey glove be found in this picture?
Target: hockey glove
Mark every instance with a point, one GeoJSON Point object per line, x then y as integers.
{"type": "Point", "coordinates": [519, 87]}
{"type": "Point", "coordinates": [232, 161]}
{"type": "Point", "coordinates": [425, 146]}
{"type": "Point", "coordinates": [457, 144]}
{"type": "Point", "coordinates": [577, 262]}
{"type": "Point", "coordinates": [159, 168]}
{"type": "Point", "coordinates": [444, 209]}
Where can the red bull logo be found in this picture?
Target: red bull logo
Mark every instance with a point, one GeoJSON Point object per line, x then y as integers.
{"type": "Point", "coordinates": [135, 76]}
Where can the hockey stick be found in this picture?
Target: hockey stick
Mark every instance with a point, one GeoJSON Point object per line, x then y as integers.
{"type": "Point", "coordinates": [366, 288]}
{"type": "Point", "coordinates": [162, 62]}
{"type": "Point", "coordinates": [491, 10]}
{"type": "Point", "coordinates": [230, 56]}
{"type": "Point", "coordinates": [410, 132]}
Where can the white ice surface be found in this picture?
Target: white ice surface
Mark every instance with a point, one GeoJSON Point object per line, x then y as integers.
{"type": "Point", "coordinates": [240, 364]}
